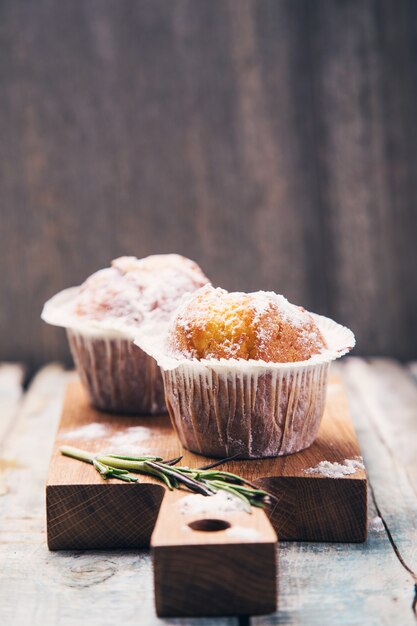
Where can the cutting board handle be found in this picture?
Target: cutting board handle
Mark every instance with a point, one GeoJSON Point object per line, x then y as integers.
{"type": "Point", "coordinates": [217, 563]}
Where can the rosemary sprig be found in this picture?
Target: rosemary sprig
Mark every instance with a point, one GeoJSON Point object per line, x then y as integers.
{"type": "Point", "coordinates": [206, 481]}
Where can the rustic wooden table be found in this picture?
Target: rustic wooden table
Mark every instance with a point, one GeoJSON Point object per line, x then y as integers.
{"type": "Point", "coordinates": [371, 583]}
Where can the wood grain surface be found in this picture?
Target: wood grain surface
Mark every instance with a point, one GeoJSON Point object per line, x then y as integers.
{"type": "Point", "coordinates": [84, 511]}
{"type": "Point", "coordinates": [108, 587]}
{"type": "Point", "coordinates": [199, 571]}
{"type": "Point", "coordinates": [373, 583]}
{"type": "Point", "coordinates": [319, 584]}
{"type": "Point", "coordinates": [273, 141]}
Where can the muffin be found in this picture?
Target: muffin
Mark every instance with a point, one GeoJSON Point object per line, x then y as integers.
{"type": "Point", "coordinates": [216, 324]}
{"type": "Point", "coordinates": [245, 373]}
{"type": "Point", "coordinates": [102, 317]}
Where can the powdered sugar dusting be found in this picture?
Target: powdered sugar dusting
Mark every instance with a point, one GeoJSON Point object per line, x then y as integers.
{"type": "Point", "coordinates": [95, 430]}
{"type": "Point", "coordinates": [221, 502]}
{"type": "Point", "coordinates": [155, 340]}
{"type": "Point", "coordinates": [129, 293]}
{"type": "Point", "coordinates": [131, 439]}
{"type": "Point", "coordinates": [243, 532]}
{"type": "Point", "coordinates": [336, 470]}
{"type": "Point", "coordinates": [291, 313]}
{"type": "Point", "coordinates": [376, 524]}
{"type": "Point", "coordinates": [213, 323]}
{"type": "Point", "coordinates": [136, 289]}
{"type": "Point", "coordinates": [355, 463]}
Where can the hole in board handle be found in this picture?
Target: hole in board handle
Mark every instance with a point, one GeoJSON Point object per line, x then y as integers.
{"type": "Point", "coordinates": [209, 525]}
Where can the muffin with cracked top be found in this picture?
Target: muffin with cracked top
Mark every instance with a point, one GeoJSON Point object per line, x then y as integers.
{"type": "Point", "coordinates": [215, 324]}
{"type": "Point", "coordinates": [245, 373]}
{"type": "Point", "coordinates": [102, 317]}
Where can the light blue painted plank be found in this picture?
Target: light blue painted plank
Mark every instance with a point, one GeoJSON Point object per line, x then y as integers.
{"type": "Point", "coordinates": [383, 397]}
{"type": "Point", "coordinates": [343, 584]}
{"type": "Point", "coordinates": [43, 588]}
{"type": "Point", "coordinates": [364, 584]}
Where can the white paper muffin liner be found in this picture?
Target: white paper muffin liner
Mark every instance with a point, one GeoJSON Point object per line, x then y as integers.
{"type": "Point", "coordinates": [119, 376]}
{"type": "Point", "coordinates": [253, 409]}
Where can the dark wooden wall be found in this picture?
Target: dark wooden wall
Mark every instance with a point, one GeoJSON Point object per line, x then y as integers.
{"type": "Point", "coordinates": [274, 141]}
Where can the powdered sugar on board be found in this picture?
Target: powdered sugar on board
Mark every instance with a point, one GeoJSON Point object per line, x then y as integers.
{"type": "Point", "coordinates": [376, 524]}
{"type": "Point", "coordinates": [95, 430]}
{"type": "Point", "coordinates": [242, 532]}
{"type": "Point", "coordinates": [221, 502]}
{"type": "Point", "coordinates": [337, 470]}
{"type": "Point", "coordinates": [131, 439]}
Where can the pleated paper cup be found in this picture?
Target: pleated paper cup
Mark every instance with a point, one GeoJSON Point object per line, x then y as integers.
{"type": "Point", "coordinates": [118, 376]}
{"type": "Point", "coordinates": [253, 409]}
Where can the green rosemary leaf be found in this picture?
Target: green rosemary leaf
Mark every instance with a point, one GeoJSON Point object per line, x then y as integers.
{"type": "Point", "coordinates": [252, 492]}
{"type": "Point", "coordinates": [76, 453]}
{"type": "Point", "coordinates": [219, 462]}
{"type": "Point", "coordinates": [174, 482]}
{"type": "Point", "coordinates": [171, 461]}
{"type": "Point", "coordinates": [235, 478]}
{"type": "Point", "coordinates": [204, 480]}
{"type": "Point", "coordinates": [104, 470]}
{"type": "Point", "coordinates": [186, 480]}
{"type": "Point", "coordinates": [119, 463]}
{"type": "Point", "coordinates": [154, 470]}
{"type": "Point", "coordinates": [126, 477]}
{"type": "Point", "coordinates": [225, 487]}
{"type": "Point", "coordinates": [116, 470]}
{"type": "Point", "coordinates": [135, 458]}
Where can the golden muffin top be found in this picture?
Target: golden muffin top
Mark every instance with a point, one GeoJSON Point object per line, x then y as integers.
{"type": "Point", "coordinates": [215, 324]}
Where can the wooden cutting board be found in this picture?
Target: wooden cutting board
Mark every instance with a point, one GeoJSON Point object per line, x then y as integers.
{"type": "Point", "coordinates": [86, 512]}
